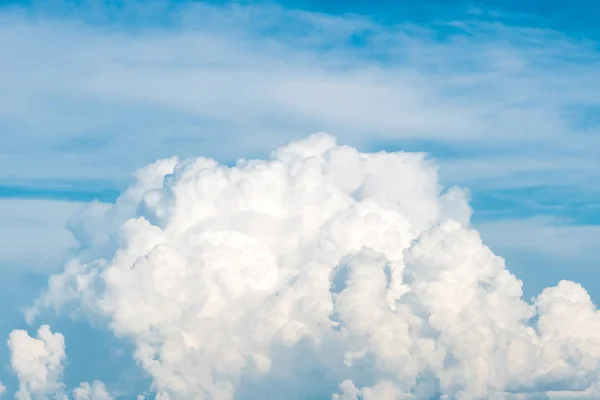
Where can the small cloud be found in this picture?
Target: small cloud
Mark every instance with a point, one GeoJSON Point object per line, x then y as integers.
{"type": "Point", "coordinates": [95, 391]}
{"type": "Point", "coordinates": [475, 11]}
{"type": "Point", "coordinates": [38, 362]}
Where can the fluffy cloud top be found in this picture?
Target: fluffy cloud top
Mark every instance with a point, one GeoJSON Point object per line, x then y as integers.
{"type": "Point", "coordinates": [95, 391]}
{"type": "Point", "coordinates": [319, 272]}
{"type": "Point", "coordinates": [38, 363]}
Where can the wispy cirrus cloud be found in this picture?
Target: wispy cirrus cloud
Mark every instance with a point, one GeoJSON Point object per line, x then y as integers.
{"type": "Point", "coordinates": [231, 80]}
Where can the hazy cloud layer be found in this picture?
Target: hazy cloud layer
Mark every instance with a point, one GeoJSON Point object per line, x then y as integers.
{"type": "Point", "coordinates": [34, 233]}
{"type": "Point", "coordinates": [319, 272]}
{"type": "Point", "coordinates": [227, 80]}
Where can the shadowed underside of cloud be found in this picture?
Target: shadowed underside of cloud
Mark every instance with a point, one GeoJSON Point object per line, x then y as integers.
{"type": "Point", "coordinates": [319, 272]}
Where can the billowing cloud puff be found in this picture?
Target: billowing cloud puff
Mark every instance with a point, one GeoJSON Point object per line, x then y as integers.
{"type": "Point", "coordinates": [38, 363]}
{"type": "Point", "coordinates": [95, 391]}
{"type": "Point", "coordinates": [321, 272]}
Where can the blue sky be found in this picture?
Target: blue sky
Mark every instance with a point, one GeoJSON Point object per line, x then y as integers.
{"type": "Point", "coordinates": [505, 95]}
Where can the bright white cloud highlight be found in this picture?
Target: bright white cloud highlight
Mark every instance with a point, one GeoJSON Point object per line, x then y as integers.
{"type": "Point", "coordinates": [321, 272]}
{"type": "Point", "coordinates": [38, 363]}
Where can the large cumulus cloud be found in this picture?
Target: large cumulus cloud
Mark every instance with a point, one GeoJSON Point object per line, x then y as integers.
{"type": "Point", "coordinates": [321, 272]}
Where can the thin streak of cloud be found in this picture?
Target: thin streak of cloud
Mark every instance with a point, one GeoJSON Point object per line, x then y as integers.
{"type": "Point", "coordinates": [249, 77]}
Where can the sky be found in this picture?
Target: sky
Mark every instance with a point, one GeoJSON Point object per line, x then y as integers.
{"type": "Point", "coordinates": [501, 97]}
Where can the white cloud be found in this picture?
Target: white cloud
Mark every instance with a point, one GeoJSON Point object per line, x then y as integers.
{"type": "Point", "coordinates": [509, 103]}
{"type": "Point", "coordinates": [95, 391]}
{"type": "Point", "coordinates": [321, 266]}
{"type": "Point", "coordinates": [217, 82]}
{"type": "Point", "coordinates": [38, 363]}
{"type": "Point", "coordinates": [2, 389]}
